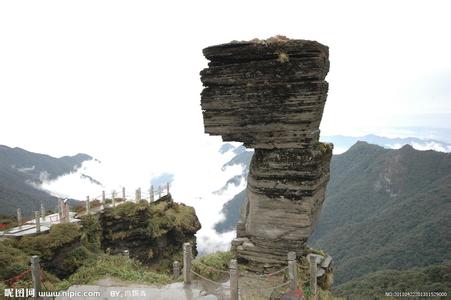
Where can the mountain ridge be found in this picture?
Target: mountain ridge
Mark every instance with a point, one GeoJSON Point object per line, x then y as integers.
{"type": "Point", "coordinates": [385, 209]}
{"type": "Point", "coordinates": [21, 171]}
{"type": "Point", "coordinates": [343, 142]}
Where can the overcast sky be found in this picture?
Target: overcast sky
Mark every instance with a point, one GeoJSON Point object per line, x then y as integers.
{"type": "Point", "coordinates": [112, 78]}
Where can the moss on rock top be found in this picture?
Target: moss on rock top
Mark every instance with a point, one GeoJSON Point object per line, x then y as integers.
{"type": "Point", "coordinates": [152, 232]}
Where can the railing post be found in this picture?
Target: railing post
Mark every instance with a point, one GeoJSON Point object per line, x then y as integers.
{"type": "Point", "coordinates": [167, 187]}
{"type": "Point", "coordinates": [36, 275]}
{"type": "Point", "coordinates": [176, 269]}
{"type": "Point", "coordinates": [138, 195]}
{"type": "Point", "coordinates": [151, 192]}
{"type": "Point", "coordinates": [103, 198]}
{"type": "Point", "coordinates": [159, 191]}
{"type": "Point", "coordinates": [37, 221]}
{"type": "Point", "coordinates": [113, 200]}
{"type": "Point", "coordinates": [187, 255]}
{"type": "Point", "coordinates": [123, 194]}
{"type": "Point", "coordinates": [63, 217]}
{"type": "Point", "coordinates": [42, 212]}
{"type": "Point", "coordinates": [233, 267]}
{"type": "Point", "coordinates": [60, 209]}
{"type": "Point", "coordinates": [292, 271]}
{"type": "Point", "coordinates": [19, 217]}
{"type": "Point", "coordinates": [88, 206]}
{"type": "Point", "coordinates": [313, 283]}
{"type": "Point", "coordinates": [66, 212]}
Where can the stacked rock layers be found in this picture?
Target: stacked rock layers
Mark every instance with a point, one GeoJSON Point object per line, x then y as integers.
{"type": "Point", "coordinates": [270, 95]}
{"type": "Point", "coordinates": [266, 95]}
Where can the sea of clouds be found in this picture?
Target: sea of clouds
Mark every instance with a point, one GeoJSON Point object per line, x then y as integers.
{"type": "Point", "coordinates": [195, 169]}
{"type": "Point", "coordinates": [195, 179]}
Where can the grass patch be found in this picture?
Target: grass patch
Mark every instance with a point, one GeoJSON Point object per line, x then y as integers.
{"type": "Point", "coordinates": [45, 245]}
{"type": "Point", "coordinates": [116, 266]}
{"type": "Point", "coordinates": [13, 261]}
{"type": "Point", "coordinates": [91, 233]}
{"type": "Point", "coordinates": [205, 265]}
{"type": "Point", "coordinates": [2, 290]}
{"type": "Point", "coordinates": [61, 250]}
{"type": "Point", "coordinates": [153, 233]}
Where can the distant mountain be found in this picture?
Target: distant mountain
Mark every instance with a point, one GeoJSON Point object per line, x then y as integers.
{"type": "Point", "coordinates": [343, 143]}
{"type": "Point", "coordinates": [231, 210]}
{"type": "Point", "coordinates": [39, 166]}
{"type": "Point", "coordinates": [226, 148]}
{"type": "Point", "coordinates": [21, 171]}
{"type": "Point", "coordinates": [434, 278]}
{"type": "Point", "coordinates": [242, 158]}
{"type": "Point", "coordinates": [386, 209]}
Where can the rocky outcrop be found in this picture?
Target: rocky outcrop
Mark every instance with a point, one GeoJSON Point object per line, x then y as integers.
{"type": "Point", "coordinates": [270, 95]}
{"type": "Point", "coordinates": [324, 272]}
{"type": "Point", "coordinates": [266, 94]}
{"type": "Point", "coordinates": [285, 192]}
{"type": "Point", "coordinates": [61, 251]}
{"type": "Point", "coordinates": [153, 233]}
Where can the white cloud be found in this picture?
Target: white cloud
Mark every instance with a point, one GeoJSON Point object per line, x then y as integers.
{"type": "Point", "coordinates": [432, 146]}
{"type": "Point", "coordinates": [196, 178]}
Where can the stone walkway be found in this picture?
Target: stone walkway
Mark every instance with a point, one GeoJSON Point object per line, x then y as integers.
{"type": "Point", "coordinates": [114, 289]}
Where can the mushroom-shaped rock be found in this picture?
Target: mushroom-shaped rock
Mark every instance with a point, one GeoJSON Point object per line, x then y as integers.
{"type": "Point", "coordinates": [270, 95]}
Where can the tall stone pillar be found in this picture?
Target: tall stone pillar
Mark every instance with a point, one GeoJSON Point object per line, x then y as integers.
{"type": "Point", "coordinates": [270, 95]}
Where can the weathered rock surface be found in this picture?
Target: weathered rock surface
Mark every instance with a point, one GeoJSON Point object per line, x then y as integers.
{"type": "Point", "coordinates": [153, 233]}
{"type": "Point", "coordinates": [324, 270]}
{"type": "Point", "coordinates": [265, 94]}
{"type": "Point", "coordinates": [285, 192]}
{"type": "Point", "coordinates": [270, 95]}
